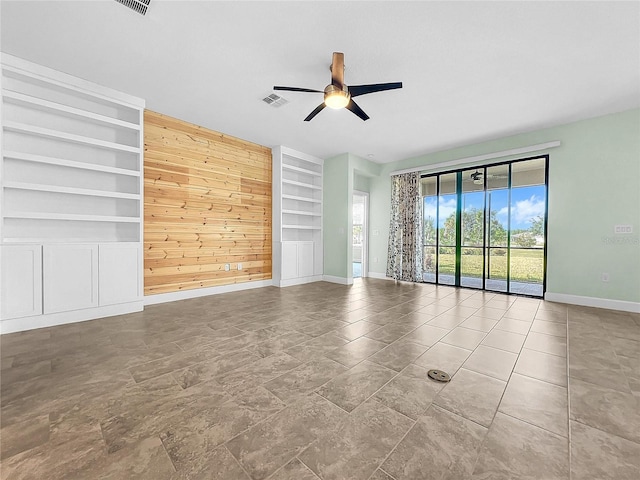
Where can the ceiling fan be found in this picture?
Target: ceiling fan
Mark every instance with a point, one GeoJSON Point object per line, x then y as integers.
{"type": "Point", "coordinates": [338, 95]}
{"type": "Point", "coordinates": [477, 177]}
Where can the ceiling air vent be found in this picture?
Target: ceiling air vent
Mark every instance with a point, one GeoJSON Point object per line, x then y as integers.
{"type": "Point", "coordinates": [275, 100]}
{"type": "Point", "coordinates": [139, 6]}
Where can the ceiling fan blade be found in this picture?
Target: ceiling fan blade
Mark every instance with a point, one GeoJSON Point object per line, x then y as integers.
{"type": "Point", "coordinates": [356, 90]}
{"type": "Point", "coordinates": [337, 70]}
{"type": "Point", "coordinates": [353, 106]}
{"type": "Point", "coordinates": [318, 109]}
{"type": "Point", "coordinates": [296, 89]}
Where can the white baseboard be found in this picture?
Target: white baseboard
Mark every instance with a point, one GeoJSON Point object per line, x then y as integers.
{"type": "Point", "coordinates": [607, 303]}
{"type": "Point", "coordinates": [52, 319]}
{"type": "Point", "coordinates": [340, 280]}
{"type": "Point", "coordinates": [297, 281]}
{"type": "Point", "coordinates": [204, 292]}
{"type": "Point", "coordinates": [379, 276]}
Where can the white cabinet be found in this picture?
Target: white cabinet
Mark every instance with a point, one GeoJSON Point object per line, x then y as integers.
{"type": "Point", "coordinates": [289, 260]}
{"type": "Point", "coordinates": [297, 260]}
{"type": "Point", "coordinates": [305, 259]}
{"type": "Point", "coordinates": [71, 183]}
{"type": "Point", "coordinates": [119, 279]}
{"type": "Point", "coordinates": [21, 282]}
{"type": "Point", "coordinates": [297, 217]}
{"type": "Point", "coordinates": [70, 277]}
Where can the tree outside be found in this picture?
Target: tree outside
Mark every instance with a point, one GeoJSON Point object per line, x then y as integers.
{"type": "Point", "coordinates": [526, 265]}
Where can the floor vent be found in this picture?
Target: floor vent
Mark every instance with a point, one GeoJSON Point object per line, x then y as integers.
{"type": "Point", "coordinates": [139, 6]}
{"type": "Point", "coordinates": [275, 100]}
{"type": "Point", "coordinates": [439, 375]}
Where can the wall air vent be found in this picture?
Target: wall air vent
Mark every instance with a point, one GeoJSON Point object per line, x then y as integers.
{"type": "Point", "coordinates": [139, 6]}
{"type": "Point", "coordinates": [275, 100]}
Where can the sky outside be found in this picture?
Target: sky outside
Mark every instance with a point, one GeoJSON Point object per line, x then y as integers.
{"type": "Point", "coordinates": [527, 203]}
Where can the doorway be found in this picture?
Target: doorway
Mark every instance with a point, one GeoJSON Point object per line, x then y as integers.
{"type": "Point", "coordinates": [359, 242]}
{"type": "Point", "coordinates": [485, 227]}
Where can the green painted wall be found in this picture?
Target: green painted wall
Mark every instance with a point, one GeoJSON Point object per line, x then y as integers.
{"type": "Point", "coordinates": [336, 215]}
{"type": "Point", "coordinates": [594, 184]}
{"type": "Point", "coordinates": [361, 183]}
{"type": "Point", "coordinates": [341, 174]}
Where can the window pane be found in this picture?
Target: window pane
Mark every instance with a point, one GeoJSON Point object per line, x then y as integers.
{"type": "Point", "coordinates": [447, 205]}
{"type": "Point", "coordinates": [527, 213]}
{"type": "Point", "coordinates": [430, 215]}
{"type": "Point", "coordinates": [447, 265]}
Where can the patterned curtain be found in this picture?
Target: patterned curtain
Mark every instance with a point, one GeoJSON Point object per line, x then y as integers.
{"type": "Point", "coordinates": [404, 260]}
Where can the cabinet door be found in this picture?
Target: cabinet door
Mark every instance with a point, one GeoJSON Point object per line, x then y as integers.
{"type": "Point", "coordinates": [119, 273]}
{"type": "Point", "coordinates": [289, 260]}
{"type": "Point", "coordinates": [21, 280]}
{"type": "Point", "coordinates": [70, 277]}
{"type": "Point", "coordinates": [305, 259]}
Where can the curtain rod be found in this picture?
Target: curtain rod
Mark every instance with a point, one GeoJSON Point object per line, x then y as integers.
{"type": "Point", "coordinates": [479, 158]}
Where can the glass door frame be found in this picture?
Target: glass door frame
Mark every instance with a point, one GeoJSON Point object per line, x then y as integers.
{"type": "Point", "coordinates": [485, 247]}
{"type": "Point", "coordinates": [365, 233]}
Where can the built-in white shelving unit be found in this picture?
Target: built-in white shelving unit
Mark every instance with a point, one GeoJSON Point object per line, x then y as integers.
{"type": "Point", "coordinates": [297, 217]}
{"type": "Point", "coordinates": [71, 187]}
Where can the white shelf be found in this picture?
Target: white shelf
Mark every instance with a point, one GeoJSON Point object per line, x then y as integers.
{"type": "Point", "coordinates": [70, 216]}
{"type": "Point", "coordinates": [21, 99]}
{"type": "Point", "coordinates": [301, 170]}
{"type": "Point", "coordinates": [68, 137]}
{"type": "Point", "coordinates": [298, 254]}
{"type": "Point", "coordinates": [70, 190]}
{"type": "Point", "coordinates": [302, 212]}
{"type": "Point", "coordinates": [58, 240]}
{"type": "Point", "coordinates": [302, 199]}
{"type": "Point", "coordinates": [27, 157]}
{"type": "Point", "coordinates": [302, 184]}
{"type": "Point", "coordinates": [74, 85]}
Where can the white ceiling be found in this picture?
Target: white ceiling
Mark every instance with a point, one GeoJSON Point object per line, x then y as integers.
{"type": "Point", "coordinates": [472, 71]}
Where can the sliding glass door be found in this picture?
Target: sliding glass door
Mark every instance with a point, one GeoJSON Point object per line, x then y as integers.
{"type": "Point", "coordinates": [485, 227]}
{"type": "Point", "coordinates": [447, 228]}
{"type": "Point", "coordinates": [473, 231]}
{"type": "Point", "coordinates": [496, 258]}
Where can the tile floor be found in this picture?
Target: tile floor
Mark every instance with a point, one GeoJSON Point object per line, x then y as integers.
{"type": "Point", "coordinates": [327, 381]}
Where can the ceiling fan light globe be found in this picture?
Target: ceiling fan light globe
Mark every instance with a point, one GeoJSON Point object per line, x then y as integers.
{"type": "Point", "coordinates": [335, 97]}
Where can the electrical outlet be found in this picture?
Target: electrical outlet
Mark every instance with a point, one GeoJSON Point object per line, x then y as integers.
{"type": "Point", "coordinates": [623, 229]}
{"type": "Point", "coordinates": [375, 259]}
{"type": "Point", "coordinates": [605, 277]}
{"type": "Point", "coordinates": [239, 266]}
{"type": "Point", "coordinates": [376, 232]}
{"type": "Point", "coordinates": [227, 267]}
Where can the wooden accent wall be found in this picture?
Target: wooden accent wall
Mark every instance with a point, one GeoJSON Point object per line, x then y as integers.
{"type": "Point", "coordinates": [207, 202]}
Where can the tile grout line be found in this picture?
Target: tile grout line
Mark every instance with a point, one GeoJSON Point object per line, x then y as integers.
{"type": "Point", "coordinates": [568, 372]}
{"type": "Point", "coordinates": [386, 473]}
{"type": "Point", "coordinates": [608, 433]}
{"type": "Point", "coordinates": [533, 424]}
{"type": "Point", "coordinates": [224, 445]}
{"type": "Point", "coordinates": [481, 446]}
{"type": "Point", "coordinates": [415, 422]}
{"type": "Point", "coordinates": [304, 465]}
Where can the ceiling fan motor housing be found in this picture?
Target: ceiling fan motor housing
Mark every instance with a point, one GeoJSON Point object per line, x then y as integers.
{"type": "Point", "coordinates": [336, 97]}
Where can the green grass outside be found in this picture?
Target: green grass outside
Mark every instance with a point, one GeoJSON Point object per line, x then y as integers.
{"type": "Point", "coordinates": [526, 265]}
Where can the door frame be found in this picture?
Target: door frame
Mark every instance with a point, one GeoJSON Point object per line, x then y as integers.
{"type": "Point", "coordinates": [365, 232]}
{"type": "Point", "coordinates": [458, 172]}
